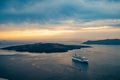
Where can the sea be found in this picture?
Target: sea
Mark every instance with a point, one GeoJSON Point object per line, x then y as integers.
{"type": "Point", "coordinates": [104, 64]}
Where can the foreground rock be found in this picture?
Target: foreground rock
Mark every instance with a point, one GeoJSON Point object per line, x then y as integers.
{"type": "Point", "coordinates": [44, 47]}
{"type": "Point", "coordinates": [104, 42]}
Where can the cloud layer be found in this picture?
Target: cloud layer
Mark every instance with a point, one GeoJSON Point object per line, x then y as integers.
{"type": "Point", "coordinates": [48, 11]}
{"type": "Point", "coordinates": [56, 19]}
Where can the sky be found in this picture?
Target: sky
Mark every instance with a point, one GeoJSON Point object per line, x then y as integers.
{"type": "Point", "coordinates": [59, 20]}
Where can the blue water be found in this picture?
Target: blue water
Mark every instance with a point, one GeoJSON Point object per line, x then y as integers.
{"type": "Point", "coordinates": [104, 64]}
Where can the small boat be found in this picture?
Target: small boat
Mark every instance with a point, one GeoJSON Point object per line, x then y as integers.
{"type": "Point", "coordinates": [79, 58]}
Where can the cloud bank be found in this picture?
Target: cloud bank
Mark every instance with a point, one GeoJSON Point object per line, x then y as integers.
{"type": "Point", "coordinates": [88, 18]}
{"type": "Point", "coordinates": [48, 11]}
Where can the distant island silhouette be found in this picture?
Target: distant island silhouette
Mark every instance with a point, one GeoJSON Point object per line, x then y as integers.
{"type": "Point", "coordinates": [104, 42]}
{"type": "Point", "coordinates": [44, 47]}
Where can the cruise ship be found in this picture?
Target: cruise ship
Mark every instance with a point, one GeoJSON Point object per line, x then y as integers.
{"type": "Point", "coordinates": [79, 58]}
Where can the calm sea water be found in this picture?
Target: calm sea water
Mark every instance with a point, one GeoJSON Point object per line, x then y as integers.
{"type": "Point", "coordinates": [104, 64]}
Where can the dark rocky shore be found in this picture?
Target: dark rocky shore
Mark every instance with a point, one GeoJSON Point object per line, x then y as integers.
{"type": "Point", "coordinates": [44, 47]}
{"type": "Point", "coordinates": [104, 42]}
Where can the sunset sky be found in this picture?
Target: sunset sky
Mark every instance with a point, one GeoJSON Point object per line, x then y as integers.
{"type": "Point", "coordinates": [59, 19]}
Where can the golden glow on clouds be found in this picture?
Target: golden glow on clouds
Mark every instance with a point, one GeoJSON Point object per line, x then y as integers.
{"type": "Point", "coordinates": [66, 31]}
{"type": "Point", "coordinates": [96, 28]}
{"type": "Point", "coordinates": [101, 29]}
{"type": "Point", "coordinates": [31, 34]}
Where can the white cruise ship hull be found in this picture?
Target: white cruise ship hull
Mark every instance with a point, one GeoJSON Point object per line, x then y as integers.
{"type": "Point", "coordinates": [79, 60]}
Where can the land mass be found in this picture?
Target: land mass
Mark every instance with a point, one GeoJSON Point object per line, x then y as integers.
{"type": "Point", "coordinates": [104, 42]}
{"type": "Point", "coordinates": [44, 47]}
